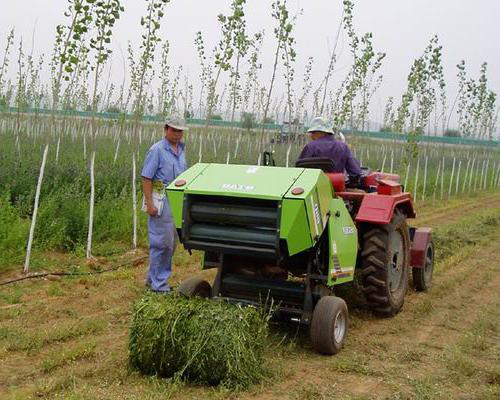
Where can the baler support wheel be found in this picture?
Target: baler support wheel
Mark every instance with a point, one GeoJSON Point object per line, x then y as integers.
{"type": "Point", "coordinates": [195, 287]}
{"type": "Point", "coordinates": [329, 325]}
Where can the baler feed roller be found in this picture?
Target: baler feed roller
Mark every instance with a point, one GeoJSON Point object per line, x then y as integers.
{"type": "Point", "coordinates": [232, 223]}
{"type": "Point", "coordinates": [234, 215]}
{"type": "Point", "coordinates": [216, 233]}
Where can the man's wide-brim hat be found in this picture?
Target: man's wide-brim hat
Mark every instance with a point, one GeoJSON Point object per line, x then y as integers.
{"type": "Point", "coordinates": [176, 122]}
{"type": "Point", "coordinates": [320, 124]}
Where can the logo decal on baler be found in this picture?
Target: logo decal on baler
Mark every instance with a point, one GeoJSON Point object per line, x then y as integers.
{"type": "Point", "coordinates": [316, 215]}
{"type": "Point", "coordinates": [252, 170]}
{"type": "Point", "coordinates": [237, 186]}
{"type": "Point", "coordinates": [337, 271]}
{"type": "Point", "coordinates": [348, 230]}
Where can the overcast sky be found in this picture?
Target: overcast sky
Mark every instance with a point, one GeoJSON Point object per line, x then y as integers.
{"type": "Point", "coordinates": [467, 30]}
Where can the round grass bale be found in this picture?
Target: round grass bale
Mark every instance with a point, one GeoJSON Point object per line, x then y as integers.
{"type": "Point", "coordinates": [200, 340]}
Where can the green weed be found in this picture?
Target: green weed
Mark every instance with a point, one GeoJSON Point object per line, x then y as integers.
{"type": "Point", "coordinates": [427, 389]}
{"type": "Point", "coordinates": [458, 362]}
{"type": "Point", "coordinates": [55, 290]}
{"type": "Point", "coordinates": [12, 295]}
{"type": "Point", "coordinates": [410, 355]}
{"type": "Point", "coordinates": [58, 358]}
{"type": "Point", "coordinates": [351, 363]}
{"type": "Point", "coordinates": [33, 343]}
{"type": "Point", "coordinates": [492, 375]}
{"type": "Point", "coordinates": [314, 392]}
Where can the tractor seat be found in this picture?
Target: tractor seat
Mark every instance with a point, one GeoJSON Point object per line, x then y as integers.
{"type": "Point", "coordinates": [323, 163]}
{"type": "Point", "coordinates": [328, 167]}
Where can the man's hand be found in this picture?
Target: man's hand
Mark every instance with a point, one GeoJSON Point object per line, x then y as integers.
{"type": "Point", "coordinates": [152, 210]}
{"type": "Point", "coordinates": [147, 187]}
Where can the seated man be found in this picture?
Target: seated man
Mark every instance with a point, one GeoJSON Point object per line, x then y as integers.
{"type": "Point", "coordinates": [323, 144]}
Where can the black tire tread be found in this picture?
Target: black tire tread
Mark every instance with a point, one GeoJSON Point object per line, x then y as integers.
{"type": "Point", "coordinates": [418, 276]}
{"type": "Point", "coordinates": [322, 324]}
{"type": "Point", "coordinates": [374, 265]}
{"type": "Point", "coordinates": [193, 287]}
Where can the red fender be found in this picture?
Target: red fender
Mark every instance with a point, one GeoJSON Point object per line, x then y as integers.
{"type": "Point", "coordinates": [421, 238]}
{"type": "Point", "coordinates": [379, 208]}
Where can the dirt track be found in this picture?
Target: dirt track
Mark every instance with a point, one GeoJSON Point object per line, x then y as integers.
{"type": "Point", "coordinates": [68, 337]}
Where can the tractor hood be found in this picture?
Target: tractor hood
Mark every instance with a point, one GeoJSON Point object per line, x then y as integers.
{"type": "Point", "coordinates": [270, 183]}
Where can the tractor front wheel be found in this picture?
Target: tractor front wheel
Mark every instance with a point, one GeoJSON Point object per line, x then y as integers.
{"type": "Point", "coordinates": [329, 325]}
{"type": "Point", "coordinates": [385, 263]}
{"type": "Point", "coordinates": [195, 287]}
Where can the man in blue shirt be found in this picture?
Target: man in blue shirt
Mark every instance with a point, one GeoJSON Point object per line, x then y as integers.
{"type": "Point", "coordinates": [164, 161]}
{"type": "Point", "coordinates": [323, 144]}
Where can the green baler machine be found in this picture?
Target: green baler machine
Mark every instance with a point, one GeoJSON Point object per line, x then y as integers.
{"type": "Point", "coordinates": [274, 234]}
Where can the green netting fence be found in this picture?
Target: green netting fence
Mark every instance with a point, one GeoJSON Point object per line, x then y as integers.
{"type": "Point", "coordinates": [270, 126]}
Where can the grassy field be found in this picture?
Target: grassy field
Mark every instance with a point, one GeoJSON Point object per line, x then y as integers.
{"type": "Point", "coordinates": [66, 337]}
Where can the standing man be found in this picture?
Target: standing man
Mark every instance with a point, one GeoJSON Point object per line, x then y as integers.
{"type": "Point", "coordinates": [323, 144]}
{"type": "Point", "coordinates": [164, 161]}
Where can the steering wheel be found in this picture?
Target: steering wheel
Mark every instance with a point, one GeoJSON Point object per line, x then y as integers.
{"type": "Point", "coordinates": [357, 182]}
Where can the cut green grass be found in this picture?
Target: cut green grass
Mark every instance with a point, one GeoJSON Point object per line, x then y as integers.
{"type": "Point", "coordinates": [466, 233]}
{"type": "Point", "coordinates": [34, 342]}
{"type": "Point", "coordinates": [200, 340]}
{"type": "Point", "coordinates": [59, 358]}
{"type": "Point", "coordinates": [459, 363]}
{"type": "Point", "coordinates": [355, 363]}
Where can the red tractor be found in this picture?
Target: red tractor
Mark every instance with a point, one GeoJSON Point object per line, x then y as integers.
{"type": "Point", "coordinates": [380, 208]}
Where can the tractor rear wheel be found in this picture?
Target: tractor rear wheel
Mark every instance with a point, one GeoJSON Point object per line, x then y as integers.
{"type": "Point", "coordinates": [195, 287]}
{"type": "Point", "coordinates": [422, 277]}
{"type": "Point", "coordinates": [385, 263]}
{"type": "Point", "coordinates": [329, 325]}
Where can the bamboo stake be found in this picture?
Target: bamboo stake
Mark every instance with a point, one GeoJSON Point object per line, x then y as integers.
{"type": "Point", "coordinates": [91, 207]}
{"type": "Point", "coordinates": [84, 148]}
{"type": "Point", "coordinates": [425, 177]}
{"type": "Point", "coordinates": [288, 155]}
{"type": "Point", "coordinates": [436, 182]}
{"type": "Point", "coordinates": [481, 176]}
{"type": "Point", "coordinates": [471, 173]}
{"type": "Point", "coordinates": [199, 152]}
{"type": "Point", "coordinates": [116, 151]}
{"type": "Point", "coordinates": [415, 189]}
{"type": "Point", "coordinates": [406, 177]}
{"type": "Point", "coordinates": [452, 176]}
{"type": "Point", "coordinates": [442, 179]}
{"type": "Point", "coordinates": [493, 175]}
{"type": "Point", "coordinates": [134, 203]}
{"type": "Point", "coordinates": [237, 147]}
{"type": "Point", "coordinates": [458, 176]}
{"type": "Point", "coordinates": [57, 148]}
{"type": "Point", "coordinates": [466, 175]}
{"type": "Point", "coordinates": [486, 174]}
{"type": "Point", "coordinates": [35, 210]}
{"type": "Point", "coordinates": [476, 176]}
